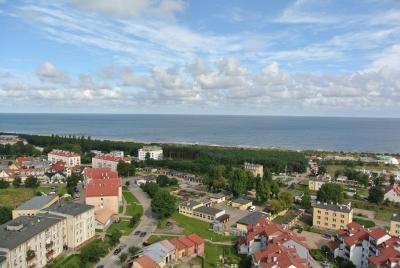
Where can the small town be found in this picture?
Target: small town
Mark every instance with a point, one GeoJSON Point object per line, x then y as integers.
{"type": "Point", "coordinates": [132, 210]}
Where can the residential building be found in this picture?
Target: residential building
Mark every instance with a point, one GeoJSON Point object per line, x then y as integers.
{"type": "Point", "coordinates": [186, 208]}
{"type": "Point", "coordinates": [32, 241]}
{"type": "Point", "coordinates": [117, 153]}
{"type": "Point", "coordinates": [54, 178]}
{"type": "Point", "coordinates": [314, 184]}
{"type": "Point", "coordinates": [152, 152]}
{"type": "Point", "coordinates": [70, 159]}
{"type": "Point", "coordinates": [248, 221]}
{"type": "Point", "coordinates": [32, 206]}
{"type": "Point", "coordinates": [366, 247]}
{"type": "Point", "coordinates": [103, 188]}
{"type": "Point", "coordinates": [241, 203]}
{"type": "Point", "coordinates": [271, 245]}
{"type": "Point", "coordinates": [10, 140]}
{"type": "Point", "coordinates": [108, 160]}
{"type": "Point", "coordinates": [167, 253]}
{"type": "Point", "coordinates": [332, 216]}
{"type": "Point", "coordinates": [395, 225]}
{"type": "Point", "coordinates": [208, 214]}
{"type": "Point", "coordinates": [255, 169]}
{"type": "Point", "coordinates": [218, 198]}
{"type": "Point", "coordinates": [79, 221]}
{"type": "Point", "coordinates": [392, 193]}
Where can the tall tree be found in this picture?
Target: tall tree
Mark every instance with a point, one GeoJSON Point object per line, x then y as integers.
{"type": "Point", "coordinates": [5, 214]}
{"type": "Point", "coordinates": [286, 198]}
{"type": "Point", "coordinates": [331, 192]}
{"type": "Point", "coordinates": [32, 182]}
{"type": "Point", "coordinates": [263, 189]}
{"type": "Point", "coordinates": [275, 189]}
{"type": "Point", "coordinates": [4, 184]}
{"type": "Point", "coordinates": [17, 182]}
{"type": "Point", "coordinates": [163, 204]}
{"type": "Point", "coordinates": [376, 195]}
{"type": "Point", "coordinates": [238, 181]}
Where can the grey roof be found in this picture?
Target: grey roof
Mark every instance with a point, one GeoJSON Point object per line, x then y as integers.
{"type": "Point", "coordinates": [251, 218]}
{"type": "Point", "coordinates": [191, 203]}
{"type": "Point", "coordinates": [217, 195]}
{"type": "Point", "coordinates": [396, 217]}
{"type": "Point", "coordinates": [69, 208]}
{"type": "Point", "coordinates": [208, 210]}
{"type": "Point", "coordinates": [156, 251]}
{"type": "Point", "coordinates": [334, 207]}
{"type": "Point", "coordinates": [38, 202]}
{"type": "Point", "coordinates": [241, 201]}
{"type": "Point", "coordinates": [31, 226]}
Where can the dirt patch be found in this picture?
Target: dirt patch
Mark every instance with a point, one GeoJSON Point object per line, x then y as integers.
{"type": "Point", "coordinates": [314, 240]}
{"type": "Point", "coordinates": [170, 227]}
{"type": "Point", "coordinates": [364, 213]}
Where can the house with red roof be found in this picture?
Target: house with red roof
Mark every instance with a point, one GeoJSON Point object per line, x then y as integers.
{"type": "Point", "coordinates": [70, 159]}
{"type": "Point", "coordinates": [103, 189]}
{"type": "Point", "coordinates": [392, 193]}
{"type": "Point", "coordinates": [271, 245]}
{"type": "Point", "coordinates": [365, 247]}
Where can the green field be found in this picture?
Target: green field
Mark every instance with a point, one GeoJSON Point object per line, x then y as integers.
{"type": "Point", "coordinates": [382, 212]}
{"type": "Point", "coordinates": [123, 226]}
{"type": "Point", "coordinates": [13, 197]}
{"type": "Point", "coordinates": [129, 197]}
{"type": "Point", "coordinates": [213, 253]}
{"type": "Point", "coordinates": [133, 210]}
{"type": "Point", "coordinates": [200, 227]}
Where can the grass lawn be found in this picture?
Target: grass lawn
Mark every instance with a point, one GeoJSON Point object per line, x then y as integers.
{"type": "Point", "coordinates": [363, 192]}
{"type": "Point", "coordinates": [382, 212]}
{"type": "Point", "coordinates": [213, 253]}
{"type": "Point", "coordinates": [123, 226]}
{"type": "Point", "coordinates": [366, 223]}
{"type": "Point", "coordinates": [13, 197]}
{"type": "Point", "coordinates": [133, 210]}
{"type": "Point", "coordinates": [129, 197]}
{"type": "Point", "coordinates": [331, 169]}
{"type": "Point", "coordinates": [71, 261]}
{"type": "Point", "coordinates": [200, 227]}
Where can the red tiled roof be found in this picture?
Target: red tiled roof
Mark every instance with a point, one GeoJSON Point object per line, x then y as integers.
{"type": "Point", "coordinates": [58, 166]}
{"type": "Point", "coordinates": [386, 254]}
{"type": "Point", "coordinates": [196, 238]}
{"type": "Point", "coordinates": [103, 187]}
{"type": "Point", "coordinates": [377, 233]}
{"type": "Point", "coordinates": [332, 245]}
{"type": "Point", "coordinates": [395, 187]}
{"type": "Point", "coordinates": [177, 243]}
{"type": "Point", "coordinates": [187, 242]}
{"type": "Point", "coordinates": [146, 262]}
{"type": "Point", "coordinates": [100, 173]}
{"type": "Point", "coordinates": [21, 159]}
{"type": "Point", "coordinates": [64, 153]}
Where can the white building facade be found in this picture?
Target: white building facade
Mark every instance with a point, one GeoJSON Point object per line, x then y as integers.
{"type": "Point", "coordinates": [70, 159]}
{"type": "Point", "coordinates": [153, 152]}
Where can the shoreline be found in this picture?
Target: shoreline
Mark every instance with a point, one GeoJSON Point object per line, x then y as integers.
{"type": "Point", "coordinates": [208, 144]}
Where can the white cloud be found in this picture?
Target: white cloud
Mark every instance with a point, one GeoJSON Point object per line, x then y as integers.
{"type": "Point", "coordinates": [128, 8]}
{"type": "Point", "coordinates": [47, 72]}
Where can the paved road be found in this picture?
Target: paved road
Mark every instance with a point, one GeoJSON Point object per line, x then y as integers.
{"type": "Point", "coordinates": [148, 223]}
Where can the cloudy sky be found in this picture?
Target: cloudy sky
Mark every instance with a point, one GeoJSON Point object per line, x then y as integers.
{"type": "Point", "coordinates": [297, 57]}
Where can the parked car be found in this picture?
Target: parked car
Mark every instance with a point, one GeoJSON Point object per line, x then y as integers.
{"type": "Point", "coordinates": [117, 251]}
{"type": "Point", "coordinates": [327, 235]}
{"type": "Point", "coordinates": [252, 208]}
{"type": "Point", "coordinates": [137, 233]}
{"type": "Point", "coordinates": [143, 234]}
{"type": "Point", "coordinates": [100, 266]}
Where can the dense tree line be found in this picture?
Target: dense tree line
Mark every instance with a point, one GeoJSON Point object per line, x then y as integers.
{"type": "Point", "coordinates": [189, 158]}
{"type": "Point", "coordinates": [18, 149]}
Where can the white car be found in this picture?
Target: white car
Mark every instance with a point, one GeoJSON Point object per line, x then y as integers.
{"type": "Point", "coordinates": [252, 209]}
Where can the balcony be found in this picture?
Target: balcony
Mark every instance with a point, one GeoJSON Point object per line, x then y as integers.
{"type": "Point", "coordinates": [32, 266]}
{"type": "Point", "coordinates": [49, 253]}
{"type": "Point", "coordinates": [30, 255]}
{"type": "Point", "coordinates": [49, 245]}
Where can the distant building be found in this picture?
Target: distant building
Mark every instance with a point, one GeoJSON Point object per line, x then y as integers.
{"type": "Point", "coordinates": [241, 203]}
{"type": "Point", "coordinates": [255, 169]}
{"type": "Point", "coordinates": [395, 225]}
{"type": "Point", "coordinates": [392, 193]}
{"type": "Point", "coordinates": [314, 184]}
{"type": "Point", "coordinates": [249, 221]}
{"type": "Point", "coordinates": [153, 152]}
{"type": "Point", "coordinates": [32, 206]}
{"type": "Point", "coordinates": [202, 211]}
{"type": "Point", "coordinates": [10, 140]}
{"type": "Point", "coordinates": [108, 160]}
{"type": "Point", "coordinates": [117, 153]}
{"type": "Point", "coordinates": [332, 216]}
{"type": "Point", "coordinates": [70, 159]}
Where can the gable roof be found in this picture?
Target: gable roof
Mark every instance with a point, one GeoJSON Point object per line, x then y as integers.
{"type": "Point", "coordinates": [103, 215]}
{"type": "Point", "coordinates": [196, 238]}
{"type": "Point", "coordinates": [146, 262]}
{"type": "Point", "coordinates": [251, 218]}
{"type": "Point", "coordinates": [37, 202]}
{"type": "Point", "coordinates": [103, 187]}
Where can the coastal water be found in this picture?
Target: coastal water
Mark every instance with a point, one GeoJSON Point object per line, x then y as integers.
{"type": "Point", "coordinates": [326, 133]}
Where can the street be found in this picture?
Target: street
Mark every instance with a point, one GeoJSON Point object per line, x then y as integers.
{"type": "Point", "coordinates": [148, 223]}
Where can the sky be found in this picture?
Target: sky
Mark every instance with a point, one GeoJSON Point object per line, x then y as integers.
{"type": "Point", "coordinates": [297, 57]}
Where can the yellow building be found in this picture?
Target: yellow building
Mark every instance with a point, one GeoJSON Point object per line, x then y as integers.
{"type": "Point", "coordinates": [186, 208]}
{"type": "Point", "coordinates": [332, 216]}
{"type": "Point", "coordinates": [395, 225]}
{"type": "Point", "coordinates": [315, 185]}
{"type": "Point", "coordinates": [255, 169]}
{"type": "Point", "coordinates": [32, 206]}
{"type": "Point", "coordinates": [241, 203]}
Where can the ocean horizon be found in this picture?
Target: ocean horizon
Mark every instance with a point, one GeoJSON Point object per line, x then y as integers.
{"type": "Point", "coordinates": [353, 134]}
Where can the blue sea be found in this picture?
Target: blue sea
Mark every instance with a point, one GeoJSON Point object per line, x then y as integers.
{"type": "Point", "coordinates": [325, 133]}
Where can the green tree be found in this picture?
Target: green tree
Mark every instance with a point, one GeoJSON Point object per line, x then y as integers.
{"type": "Point", "coordinates": [286, 198]}
{"type": "Point", "coordinates": [392, 180]}
{"type": "Point", "coordinates": [32, 182]}
{"type": "Point", "coordinates": [238, 181]}
{"type": "Point", "coordinates": [163, 204]}
{"type": "Point", "coordinates": [275, 189]}
{"type": "Point", "coordinates": [150, 188]}
{"type": "Point", "coordinates": [123, 257]}
{"type": "Point", "coordinates": [5, 214]}
{"type": "Point", "coordinates": [133, 250]}
{"type": "Point", "coordinates": [72, 183]}
{"type": "Point", "coordinates": [17, 182]}
{"type": "Point", "coordinates": [114, 236]}
{"type": "Point", "coordinates": [134, 219]}
{"type": "Point", "coordinates": [331, 192]}
{"type": "Point", "coordinates": [126, 169]}
{"type": "Point", "coordinates": [306, 200]}
{"type": "Point", "coordinates": [276, 206]}
{"type": "Point", "coordinates": [92, 252]}
{"type": "Point", "coordinates": [4, 184]}
{"type": "Point", "coordinates": [263, 189]}
{"type": "Point", "coordinates": [376, 195]}
{"type": "Point", "coordinates": [162, 180]}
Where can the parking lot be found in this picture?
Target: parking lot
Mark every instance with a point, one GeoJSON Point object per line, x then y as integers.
{"type": "Point", "coordinates": [235, 213]}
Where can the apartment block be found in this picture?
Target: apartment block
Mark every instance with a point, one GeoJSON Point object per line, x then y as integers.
{"type": "Point", "coordinates": [32, 206]}
{"type": "Point", "coordinates": [70, 159]}
{"type": "Point", "coordinates": [395, 225]}
{"type": "Point", "coordinates": [332, 216]}
{"type": "Point", "coordinates": [255, 169]}
{"type": "Point", "coordinates": [108, 161]}
{"type": "Point", "coordinates": [153, 152]}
